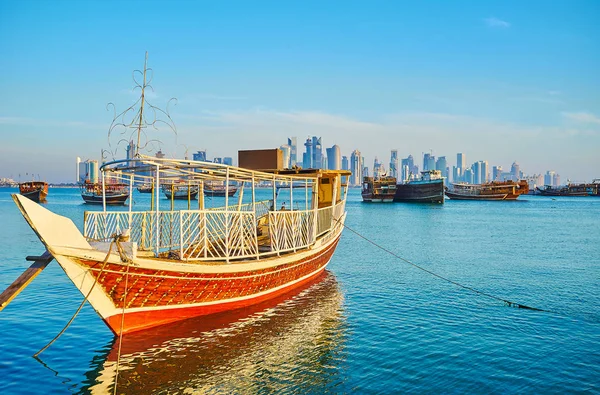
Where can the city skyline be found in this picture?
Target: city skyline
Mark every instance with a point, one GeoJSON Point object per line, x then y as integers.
{"type": "Point", "coordinates": [371, 77]}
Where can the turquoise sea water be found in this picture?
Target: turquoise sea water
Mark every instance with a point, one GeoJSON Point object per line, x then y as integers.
{"type": "Point", "coordinates": [372, 324]}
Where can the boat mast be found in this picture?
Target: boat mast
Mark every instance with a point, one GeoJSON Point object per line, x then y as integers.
{"type": "Point", "coordinates": [139, 131]}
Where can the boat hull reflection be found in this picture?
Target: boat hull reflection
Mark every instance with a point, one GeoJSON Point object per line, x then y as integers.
{"type": "Point", "coordinates": [294, 340]}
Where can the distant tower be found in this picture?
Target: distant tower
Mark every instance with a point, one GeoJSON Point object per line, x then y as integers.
{"type": "Point", "coordinates": [84, 171]}
{"type": "Point", "coordinates": [394, 163]}
{"type": "Point", "coordinates": [130, 150]}
{"type": "Point", "coordinates": [497, 173]}
{"type": "Point", "coordinates": [93, 171]}
{"type": "Point", "coordinates": [461, 164]}
{"type": "Point", "coordinates": [476, 167]}
{"type": "Point", "coordinates": [291, 141]}
{"type": "Point", "coordinates": [334, 159]}
{"type": "Point", "coordinates": [307, 157]}
{"type": "Point", "coordinates": [199, 156]}
{"type": "Point", "coordinates": [317, 153]}
{"type": "Point", "coordinates": [515, 171]}
{"type": "Point", "coordinates": [286, 150]}
{"type": "Point", "coordinates": [78, 162]}
{"type": "Point", "coordinates": [345, 163]}
{"type": "Point", "coordinates": [356, 168]}
{"type": "Point", "coordinates": [485, 171]}
{"type": "Point", "coordinates": [442, 166]}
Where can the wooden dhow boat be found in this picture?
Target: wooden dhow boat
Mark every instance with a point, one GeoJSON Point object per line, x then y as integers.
{"type": "Point", "coordinates": [111, 194]}
{"type": "Point", "coordinates": [176, 264]}
{"type": "Point", "coordinates": [568, 190]}
{"type": "Point", "coordinates": [180, 191]}
{"type": "Point", "coordinates": [378, 189]}
{"type": "Point", "coordinates": [428, 188]}
{"type": "Point", "coordinates": [34, 190]}
{"type": "Point", "coordinates": [145, 188]}
{"type": "Point", "coordinates": [219, 190]}
{"type": "Point", "coordinates": [494, 190]}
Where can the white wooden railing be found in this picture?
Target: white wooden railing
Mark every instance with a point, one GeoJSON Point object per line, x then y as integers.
{"type": "Point", "coordinates": [216, 234]}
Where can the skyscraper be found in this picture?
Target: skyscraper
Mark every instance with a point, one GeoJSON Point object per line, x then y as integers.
{"type": "Point", "coordinates": [515, 171]}
{"type": "Point", "coordinates": [199, 156]}
{"type": "Point", "coordinates": [334, 159]}
{"type": "Point", "coordinates": [345, 164]}
{"type": "Point", "coordinates": [497, 173]}
{"type": "Point", "coordinates": [130, 151]}
{"type": "Point", "coordinates": [468, 176]}
{"type": "Point", "coordinates": [317, 156]}
{"type": "Point", "coordinates": [485, 171]}
{"type": "Point", "coordinates": [93, 170]}
{"type": "Point", "coordinates": [356, 168]}
{"type": "Point", "coordinates": [442, 166]}
{"type": "Point", "coordinates": [461, 161]}
{"type": "Point", "coordinates": [428, 162]}
{"type": "Point", "coordinates": [476, 168]}
{"type": "Point", "coordinates": [287, 158]}
{"type": "Point", "coordinates": [378, 169]}
{"type": "Point", "coordinates": [461, 164]}
{"type": "Point", "coordinates": [551, 178]}
{"type": "Point", "coordinates": [77, 162]}
{"type": "Point", "coordinates": [291, 141]}
{"type": "Point", "coordinates": [307, 157]}
{"type": "Point", "coordinates": [394, 163]}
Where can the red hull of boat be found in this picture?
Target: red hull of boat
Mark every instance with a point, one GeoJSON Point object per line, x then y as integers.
{"type": "Point", "coordinates": [158, 297]}
{"type": "Point", "coordinates": [147, 319]}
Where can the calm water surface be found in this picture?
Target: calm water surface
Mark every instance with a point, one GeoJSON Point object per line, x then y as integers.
{"type": "Point", "coordinates": [371, 324]}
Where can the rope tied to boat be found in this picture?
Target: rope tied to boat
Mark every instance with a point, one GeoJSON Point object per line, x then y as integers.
{"type": "Point", "coordinates": [504, 301]}
{"type": "Point", "coordinates": [115, 240]}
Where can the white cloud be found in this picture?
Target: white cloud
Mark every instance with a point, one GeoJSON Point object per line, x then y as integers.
{"type": "Point", "coordinates": [496, 23]}
{"type": "Point", "coordinates": [582, 117]}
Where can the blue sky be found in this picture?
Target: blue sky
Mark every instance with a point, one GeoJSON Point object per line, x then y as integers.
{"type": "Point", "coordinates": [499, 81]}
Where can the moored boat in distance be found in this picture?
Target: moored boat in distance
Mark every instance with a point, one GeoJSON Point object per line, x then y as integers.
{"type": "Point", "coordinates": [429, 188]}
{"type": "Point", "coordinates": [145, 188]}
{"type": "Point", "coordinates": [34, 190]}
{"type": "Point", "coordinates": [219, 190]}
{"type": "Point", "coordinates": [111, 194]}
{"type": "Point", "coordinates": [494, 190]}
{"type": "Point", "coordinates": [568, 190]}
{"type": "Point", "coordinates": [378, 189]}
{"type": "Point", "coordinates": [180, 191]}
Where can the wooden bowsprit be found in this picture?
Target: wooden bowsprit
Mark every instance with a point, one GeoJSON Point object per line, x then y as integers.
{"type": "Point", "coordinates": [39, 264]}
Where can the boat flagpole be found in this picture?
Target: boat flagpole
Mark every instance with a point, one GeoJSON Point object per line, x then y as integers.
{"type": "Point", "coordinates": [139, 131]}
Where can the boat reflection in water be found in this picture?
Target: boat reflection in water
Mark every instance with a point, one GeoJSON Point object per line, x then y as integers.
{"type": "Point", "coordinates": [293, 341]}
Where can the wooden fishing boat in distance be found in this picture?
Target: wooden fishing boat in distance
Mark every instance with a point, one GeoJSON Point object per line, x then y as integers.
{"type": "Point", "coordinates": [34, 190]}
{"type": "Point", "coordinates": [567, 190]}
{"type": "Point", "coordinates": [429, 188]}
{"type": "Point", "coordinates": [378, 189]}
{"type": "Point", "coordinates": [494, 190]}
{"type": "Point", "coordinates": [180, 192]}
{"type": "Point", "coordinates": [179, 264]}
{"type": "Point", "coordinates": [111, 194]}
{"type": "Point", "coordinates": [144, 188]}
{"type": "Point", "coordinates": [219, 190]}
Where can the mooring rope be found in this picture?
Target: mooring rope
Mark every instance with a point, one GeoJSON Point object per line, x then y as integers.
{"type": "Point", "coordinates": [505, 301]}
{"type": "Point", "coordinates": [125, 259]}
{"type": "Point", "coordinates": [114, 240]}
